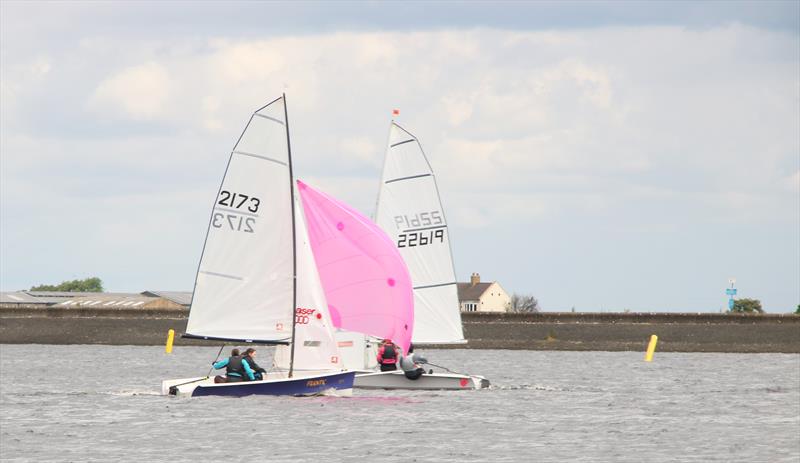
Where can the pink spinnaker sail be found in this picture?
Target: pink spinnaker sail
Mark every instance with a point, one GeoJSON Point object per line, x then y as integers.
{"type": "Point", "coordinates": [365, 279]}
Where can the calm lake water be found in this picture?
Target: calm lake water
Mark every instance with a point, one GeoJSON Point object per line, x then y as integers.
{"type": "Point", "coordinates": [101, 403]}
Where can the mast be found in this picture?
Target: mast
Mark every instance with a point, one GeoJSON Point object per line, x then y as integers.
{"type": "Point", "coordinates": [294, 239]}
{"type": "Point", "coordinates": [383, 169]}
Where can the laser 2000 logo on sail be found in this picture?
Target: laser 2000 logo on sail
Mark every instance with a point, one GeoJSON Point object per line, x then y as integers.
{"type": "Point", "coordinates": [239, 212]}
{"type": "Point", "coordinates": [419, 229]}
{"type": "Point", "coordinates": [302, 315]}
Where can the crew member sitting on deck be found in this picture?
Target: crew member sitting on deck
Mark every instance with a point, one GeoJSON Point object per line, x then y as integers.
{"type": "Point", "coordinates": [236, 368]}
{"type": "Point", "coordinates": [410, 364]}
{"type": "Point", "coordinates": [387, 355]}
{"type": "Point", "coordinates": [250, 357]}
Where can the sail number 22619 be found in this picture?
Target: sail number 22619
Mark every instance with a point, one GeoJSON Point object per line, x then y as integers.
{"type": "Point", "coordinates": [420, 238]}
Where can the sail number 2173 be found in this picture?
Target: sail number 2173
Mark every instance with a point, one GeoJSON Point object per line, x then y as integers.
{"type": "Point", "coordinates": [231, 219]}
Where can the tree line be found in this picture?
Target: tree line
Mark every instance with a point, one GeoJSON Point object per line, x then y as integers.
{"type": "Point", "coordinates": [87, 285]}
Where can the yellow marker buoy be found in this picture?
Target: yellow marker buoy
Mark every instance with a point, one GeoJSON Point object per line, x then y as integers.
{"type": "Point", "coordinates": [651, 348]}
{"type": "Point", "coordinates": [170, 338]}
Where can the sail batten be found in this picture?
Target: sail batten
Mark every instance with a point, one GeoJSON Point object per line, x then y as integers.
{"type": "Point", "coordinates": [260, 156]}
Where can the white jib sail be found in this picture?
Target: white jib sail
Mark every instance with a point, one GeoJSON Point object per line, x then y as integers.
{"type": "Point", "coordinates": [315, 347]}
{"type": "Point", "coordinates": [243, 290]}
{"type": "Point", "coordinates": [410, 212]}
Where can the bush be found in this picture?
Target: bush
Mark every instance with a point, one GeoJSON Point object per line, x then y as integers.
{"type": "Point", "coordinates": [89, 285]}
{"type": "Point", "coordinates": [747, 306]}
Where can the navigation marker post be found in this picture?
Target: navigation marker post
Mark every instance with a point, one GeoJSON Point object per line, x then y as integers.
{"type": "Point", "coordinates": [731, 292]}
{"type": "Point", "coordinates": [170, 339]}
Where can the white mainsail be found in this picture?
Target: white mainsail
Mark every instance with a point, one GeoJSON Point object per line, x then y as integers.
{"type": "Point", "coordinates": [245, 288]}
{"type": "Point", "coordinates": [410, 212]}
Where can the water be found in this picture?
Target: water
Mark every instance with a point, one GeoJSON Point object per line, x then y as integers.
{"type": "Point", "coordinates": [101, 403]}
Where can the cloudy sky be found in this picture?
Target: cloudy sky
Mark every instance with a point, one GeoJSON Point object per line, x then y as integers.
{"type": "Point", "coordinates": [598, 155]}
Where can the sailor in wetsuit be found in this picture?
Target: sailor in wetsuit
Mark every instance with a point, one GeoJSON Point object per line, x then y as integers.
{"type": "Point", "coordinates": [236, 368]}
{"type": "Point", "coordinates": [387, 355]}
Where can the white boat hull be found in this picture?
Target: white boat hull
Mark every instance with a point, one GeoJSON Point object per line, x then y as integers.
{"type": "Point", "coordinates": [428, 381]}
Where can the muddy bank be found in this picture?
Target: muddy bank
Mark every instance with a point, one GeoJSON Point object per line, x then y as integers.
{"type": "Point", "coordinates": [547, 331]}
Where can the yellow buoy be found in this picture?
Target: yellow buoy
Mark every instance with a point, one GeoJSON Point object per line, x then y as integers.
{"type": "Point", "coordinates": [651, 348]}
{"type": "Point", "coordinates": [170, 338]}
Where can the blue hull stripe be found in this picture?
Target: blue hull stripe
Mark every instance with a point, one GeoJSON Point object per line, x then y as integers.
{"type": "Point", "coordinates": [296, 386]}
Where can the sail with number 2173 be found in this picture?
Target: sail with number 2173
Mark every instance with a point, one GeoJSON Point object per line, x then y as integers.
{"type": "Point", "coordinates": [257, 281]}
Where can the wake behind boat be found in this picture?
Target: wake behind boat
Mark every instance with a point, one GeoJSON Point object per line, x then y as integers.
{"type": "Point", "coordinates": [257, 281]}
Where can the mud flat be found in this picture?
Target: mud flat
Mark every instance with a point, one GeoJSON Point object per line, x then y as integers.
{"type": "Point", "coordinates": [677, 332]}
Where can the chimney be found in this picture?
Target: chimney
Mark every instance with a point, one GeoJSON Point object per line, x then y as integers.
{"type": "Point", "coordinates": [474, 279]}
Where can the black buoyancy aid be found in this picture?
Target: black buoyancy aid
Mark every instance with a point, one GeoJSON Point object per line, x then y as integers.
{"type": "Point", "coordinates": [389, 354]}
{"type": "Point", "coordinates": [235, 366]}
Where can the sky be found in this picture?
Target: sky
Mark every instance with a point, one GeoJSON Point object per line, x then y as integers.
{"type": "Point", "coordinates": [601, 156]}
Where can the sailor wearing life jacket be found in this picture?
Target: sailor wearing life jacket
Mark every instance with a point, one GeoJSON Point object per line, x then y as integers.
{"type": "Point", "coordinates": [388, 354]}
{"type": "Point", "coordinates": [411, 365]}
{"type": "Point", "coordinates": [236, 368]}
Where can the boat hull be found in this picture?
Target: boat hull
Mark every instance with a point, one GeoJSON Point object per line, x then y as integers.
{"type": "Point", "coordinates": [432, 381]}
{"type": "Point", "coordinates": [340, 383]}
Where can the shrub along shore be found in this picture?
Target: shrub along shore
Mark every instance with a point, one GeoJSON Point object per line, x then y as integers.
{"type": "Point", "coordinates": [677, 332]}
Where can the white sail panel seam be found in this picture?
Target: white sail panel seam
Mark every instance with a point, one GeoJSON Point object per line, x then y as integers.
{"type": "Point", "coordinates": [424, 228]}
{"type": "Point", "coordinates": [283, 163]}
{"type": "Point", "coordinates": [271, 119]}
{"type": "Point", "coordinates": [222, 275]}
{"type": "Point", "coordinates": [407, 178]}
{"type": "Point", "coordinates": [235, 211]}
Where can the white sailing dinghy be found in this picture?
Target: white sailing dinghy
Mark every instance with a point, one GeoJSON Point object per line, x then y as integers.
{"type": "Point", "coordinates": [356, 259]}
{"type": "Point", "coordinates": [410, 211]}
{"type": "Point", "coordinates": [257, 281]}
{"type": "Point", "coordinates": [368, 289]}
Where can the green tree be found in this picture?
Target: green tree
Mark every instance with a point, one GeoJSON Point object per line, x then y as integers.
{"type": "Point", "coordinates": [798, 310]}
{"type": "Point", "coordinates": [88, 285]}
{"type": "Point", "coordinates": [747, 306]}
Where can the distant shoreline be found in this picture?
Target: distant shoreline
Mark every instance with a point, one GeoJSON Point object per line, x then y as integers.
{"type": "Point", "coordinates": [677, 332]}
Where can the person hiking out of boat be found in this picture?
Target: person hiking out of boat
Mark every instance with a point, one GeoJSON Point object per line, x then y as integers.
{"type": "Point", "coordinates": [387, 355]}
{"type": "Point", "coordinates": [420, 359]}
{"type": "Point", "coordinates": [236, 368]}
{"type": "Point", "coordinates": [410, 364]}
{"type": "Point", "coordinates": [250, 357]}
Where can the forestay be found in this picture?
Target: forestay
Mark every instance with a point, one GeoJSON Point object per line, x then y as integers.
{"type": "Point", "coordinates": [244, 288]}
{"type": "Point", "coordinates": [366, 282]}
{"type": "Point", "coordinates": [410, 211]}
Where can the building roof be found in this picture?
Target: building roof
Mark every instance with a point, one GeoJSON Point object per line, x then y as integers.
{"type": "Point", "coordinates": [111, 301]}
{"type": "Point", "coordinates": [178, 297]}
{"type": "Point", "coordinates": [470, 292]}
{"type": "Point", "coordinates": [18, 297]}
{"type": "Point", "coordinates": [56, 297]}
